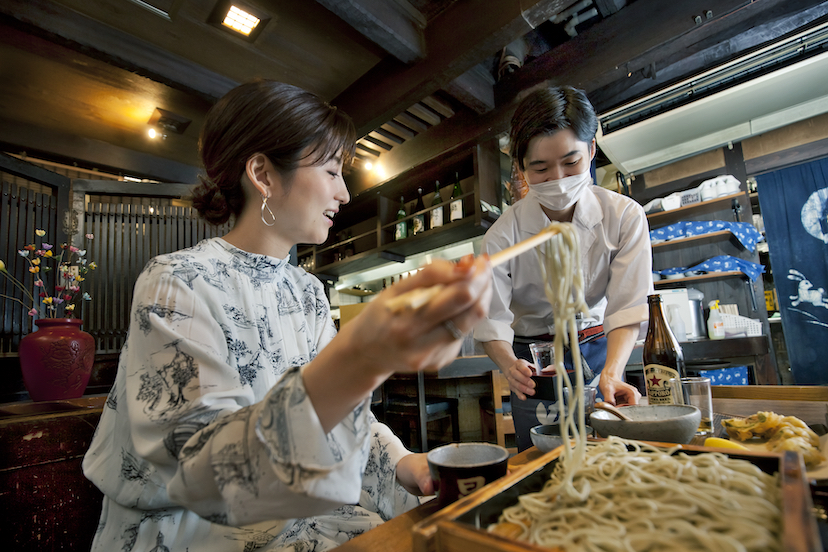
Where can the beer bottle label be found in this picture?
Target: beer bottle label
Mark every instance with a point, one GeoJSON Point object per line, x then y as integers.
{"type": "Point", "coordinates": [659, 390]}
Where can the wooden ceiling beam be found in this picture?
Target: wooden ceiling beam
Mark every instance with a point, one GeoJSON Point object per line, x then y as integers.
{"type": "Point", "coordinates": [78, 32]}
{"type": "Point", "coordinates": [396, 27]}
{"type": "Point", "coordinates": [474, 89]}
{"type": "Point", "coordinates": [644, 28]}
{"type": "Point", "coordinates": [96, 154]}
{"type": "Point", "coordinates": [457, 40]}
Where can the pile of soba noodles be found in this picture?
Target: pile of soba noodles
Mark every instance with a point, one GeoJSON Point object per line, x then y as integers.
{"type": "Point", "coordinates": [628, 496]}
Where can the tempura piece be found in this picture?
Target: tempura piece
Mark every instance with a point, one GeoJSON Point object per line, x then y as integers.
{"type": "Point", "coordinates": [810, 455]}
{"type": "Point", "coordinates": [799, 428]}
{"type": "Point", "coordinates": [783, 433]}
{"type": "Point", "coordinates": [755, 425]}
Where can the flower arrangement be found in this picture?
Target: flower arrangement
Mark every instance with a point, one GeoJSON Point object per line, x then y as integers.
{"type": "Point", "coordinates": [57, 301]}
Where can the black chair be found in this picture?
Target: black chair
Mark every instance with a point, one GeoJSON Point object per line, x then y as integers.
{"type": "Point", "coordinates": [403, 414]}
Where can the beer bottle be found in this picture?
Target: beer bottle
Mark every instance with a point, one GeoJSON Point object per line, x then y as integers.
{"type": "Point", "coordinates": [663, 358]}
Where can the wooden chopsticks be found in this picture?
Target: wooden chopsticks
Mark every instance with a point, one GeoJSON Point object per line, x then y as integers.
{"type": "Point", "coordinates": [416, 298]}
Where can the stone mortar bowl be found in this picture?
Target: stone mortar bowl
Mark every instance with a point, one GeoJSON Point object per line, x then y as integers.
{"type": "Point", "coordinates": [548, 437]}
{"type": "Point", "coordinates": [664, 423]}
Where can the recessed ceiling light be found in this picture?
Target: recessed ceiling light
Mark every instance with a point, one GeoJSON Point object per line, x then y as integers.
{"type": "Point", "coordinates": [241, 21]}
{"type": "Point", "coordinates": [238, 18]}
{"type": "Point", "coordinates": [168, 121]}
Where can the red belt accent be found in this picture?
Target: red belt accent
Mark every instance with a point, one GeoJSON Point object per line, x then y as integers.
{"type": "Point", "coordinates": [590, 332]}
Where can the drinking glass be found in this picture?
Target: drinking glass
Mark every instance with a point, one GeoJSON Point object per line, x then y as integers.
{"type": "Point", "coordinates": [697, 393]}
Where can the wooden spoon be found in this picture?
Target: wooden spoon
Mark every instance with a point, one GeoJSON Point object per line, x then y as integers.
{"type": "Point", "coordinates": [612, 410]}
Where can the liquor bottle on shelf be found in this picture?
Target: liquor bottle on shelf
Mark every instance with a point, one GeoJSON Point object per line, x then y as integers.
{"type": "Point", "coordinates": [436, 213]}
{"type": "Point", "coordinates": [418, 224]}
{"type": "Point", "coordinates": [456, 205]}
{"type": "Point", "coordinates": [663, 358]}
{"type": "Point", "coordinates": [349, 247]}
{"type": "Point", "coordinates": [401, 228]}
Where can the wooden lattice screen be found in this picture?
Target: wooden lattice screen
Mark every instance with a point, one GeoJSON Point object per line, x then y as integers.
{"type": "Point", "coordinates": [127, 236]}
{"type": "Point", "coordinates": [21, 212]}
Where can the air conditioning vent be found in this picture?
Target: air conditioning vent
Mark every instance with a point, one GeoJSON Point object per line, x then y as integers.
{"type": "Point", "coordinates": [770, 88]}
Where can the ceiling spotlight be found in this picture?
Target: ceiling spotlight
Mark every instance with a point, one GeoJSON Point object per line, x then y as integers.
{"type": "Point", "coordinates": [238, 18]}
{"type": "Point", "coordinates": [168, 121]}
{"type": "Point", "coordinates": [154, 133]}
{"type": "Point", "coordinates": [368, 165]}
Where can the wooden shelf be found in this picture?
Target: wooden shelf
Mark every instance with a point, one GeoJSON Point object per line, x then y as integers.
{"type": "Point", "coordinates": [425, 212]}
{"type": "Point", "coordinates": [709, 277]}
{"type": "Point", "coordinates": [664, 218]}
{"type": "Point", "coordinates": [357, 292]}
{"type": "Point", "coordinates": [356, 263]}
{"type": "Point", "coordinates": [397, 251]}
{"type": "Point", "coordinates": [449, 233]}
{"type": "Point", "coordinates": [373, 228]}
{"type": "Point", "coordinates": [692, 241]}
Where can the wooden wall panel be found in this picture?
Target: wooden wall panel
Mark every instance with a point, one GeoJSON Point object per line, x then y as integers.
{"type": "Point", "coordinates": [701, 163]}
{"type": "Point", "coordinates": [787, 137]}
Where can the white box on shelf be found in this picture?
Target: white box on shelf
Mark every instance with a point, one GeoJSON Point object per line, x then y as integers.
{"type": "Point", "coordinates": [741, 326]}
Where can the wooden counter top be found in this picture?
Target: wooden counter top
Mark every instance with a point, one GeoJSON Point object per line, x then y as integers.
{"type": "Point", "coordinates": [395, 535]}
{"type": "Point", "coordinates": [806, 403]}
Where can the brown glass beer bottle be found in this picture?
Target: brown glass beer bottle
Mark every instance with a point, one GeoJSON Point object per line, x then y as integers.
{"type": "Point", "coordinates": [663, 358]}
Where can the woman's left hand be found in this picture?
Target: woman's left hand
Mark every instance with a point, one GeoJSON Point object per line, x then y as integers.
{"type": "Point", "coordinates": [414, 476]}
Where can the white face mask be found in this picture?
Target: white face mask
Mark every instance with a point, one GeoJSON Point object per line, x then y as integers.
{"type": "Point", "coordinates": [558, 195]}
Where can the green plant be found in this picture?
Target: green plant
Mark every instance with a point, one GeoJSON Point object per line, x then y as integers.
{"type": "Point", "coordinates": [66, 272]}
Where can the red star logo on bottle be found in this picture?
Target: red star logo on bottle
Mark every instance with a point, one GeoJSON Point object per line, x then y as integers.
{"type": "Point", "coordinates": [654, 381]}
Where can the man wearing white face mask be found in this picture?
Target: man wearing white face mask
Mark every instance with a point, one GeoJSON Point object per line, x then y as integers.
{"type": "Point", "coordinates": [553, 143]}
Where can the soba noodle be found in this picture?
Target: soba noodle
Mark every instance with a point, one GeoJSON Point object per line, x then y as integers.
{"type": "Point", "coordinates": [625, 495]}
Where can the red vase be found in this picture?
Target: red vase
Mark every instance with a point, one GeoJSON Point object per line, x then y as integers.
{"type": "Point", "coordinates": [56, 360]}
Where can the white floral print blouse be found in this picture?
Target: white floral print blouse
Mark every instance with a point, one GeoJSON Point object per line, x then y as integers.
{"type": "Point", "coordinates": [208, 441]}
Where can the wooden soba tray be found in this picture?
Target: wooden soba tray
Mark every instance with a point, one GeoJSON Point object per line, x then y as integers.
{"type": "Point", "coordinates": [461, 527]}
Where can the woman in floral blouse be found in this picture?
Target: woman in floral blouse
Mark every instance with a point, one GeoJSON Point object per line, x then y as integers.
{"type": "Point", "coordinates": [238, 421]}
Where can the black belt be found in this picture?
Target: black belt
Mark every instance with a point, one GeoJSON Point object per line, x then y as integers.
{"type": "Point", "coordinates": [584, 336]}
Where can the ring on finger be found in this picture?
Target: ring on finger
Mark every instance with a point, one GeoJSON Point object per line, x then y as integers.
{"type": "Point", "coordinates": [453, 330]}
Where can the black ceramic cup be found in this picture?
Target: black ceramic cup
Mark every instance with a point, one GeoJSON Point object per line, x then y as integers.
{"type": "Point", "coordinates": [459, 469]}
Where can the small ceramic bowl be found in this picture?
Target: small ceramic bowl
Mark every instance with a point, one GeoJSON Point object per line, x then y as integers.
{"type": "Point", "coordinates": [548, 437]}
{"type": "Point", "coordinates": [664, 423]}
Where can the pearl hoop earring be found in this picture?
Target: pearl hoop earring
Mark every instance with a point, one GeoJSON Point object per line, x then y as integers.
{"type": "Point", "coordinates": [265, 206]}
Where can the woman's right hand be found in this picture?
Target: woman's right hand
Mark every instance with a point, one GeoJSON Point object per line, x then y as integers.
{"type": "Point", "coordinates": [381, 341]}
{"type": "Point", "coordinates": [410, 340]}
{"type": "Point", "coordinates": [518, 374]}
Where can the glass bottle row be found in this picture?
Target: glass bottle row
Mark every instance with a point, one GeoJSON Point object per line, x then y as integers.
{"type": "Point", "coordinates": [435, 217]}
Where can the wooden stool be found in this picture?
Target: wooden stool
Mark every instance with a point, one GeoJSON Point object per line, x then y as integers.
{"type": "Point", "coordinates": [406, 409]}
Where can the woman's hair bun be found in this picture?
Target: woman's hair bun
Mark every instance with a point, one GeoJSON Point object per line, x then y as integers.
{"type": "Point", "coordinates": [210, 202]}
